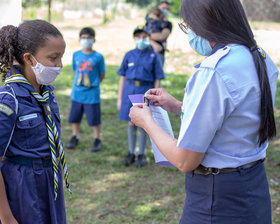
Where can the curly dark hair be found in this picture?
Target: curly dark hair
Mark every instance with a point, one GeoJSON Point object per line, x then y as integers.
{"type": "Point", "coordinates": [28, 37]}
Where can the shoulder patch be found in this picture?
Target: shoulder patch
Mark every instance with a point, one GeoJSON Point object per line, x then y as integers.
{"type": "Point", "coordinates": [213, 60]}
{"type": "Point", "coordinates": [6, 109]}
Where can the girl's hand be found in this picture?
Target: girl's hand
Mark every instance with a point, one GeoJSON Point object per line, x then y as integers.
{"type": "Point", "coordinates": [9, 220]}
{"type": "Point", "coordinates": [140, 115]}
{"type": "Point", "coordinates": [159, 97]}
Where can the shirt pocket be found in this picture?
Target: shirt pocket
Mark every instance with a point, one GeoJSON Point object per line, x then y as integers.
{"type": "Point", "coordinates": [148, 70]}
{"type": "Point", "coordinates": [32, 132]}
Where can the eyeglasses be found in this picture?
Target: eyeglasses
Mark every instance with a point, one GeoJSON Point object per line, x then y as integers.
{"type": "Point", "coordinates": [183, 27]}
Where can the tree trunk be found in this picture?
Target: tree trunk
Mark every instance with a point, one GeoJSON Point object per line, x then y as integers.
{"type": "Point", "coordinates": [49, 10]}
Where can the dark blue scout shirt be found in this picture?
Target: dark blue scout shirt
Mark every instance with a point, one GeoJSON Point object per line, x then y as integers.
{"type": "Point", "coordinates": [141, 65]}
{"type": "Point", "coordinates": [30, 138]}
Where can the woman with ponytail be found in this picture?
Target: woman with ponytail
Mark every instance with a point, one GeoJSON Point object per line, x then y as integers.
{"type": "Point", "coordinates": [32, 159]}
{"type": "Point", "coordinates": [226, 118]}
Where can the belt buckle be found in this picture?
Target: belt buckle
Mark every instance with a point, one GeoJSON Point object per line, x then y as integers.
{"type": "Point", "coordinates": [204, 171]}
{"type": "Point", "coordinates": [216, 172]}
{"type": "Point", "coordinates": [137, 83]}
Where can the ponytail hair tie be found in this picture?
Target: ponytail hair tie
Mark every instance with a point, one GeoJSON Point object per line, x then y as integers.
{"type": "Point", "coordinates": [259, 49]}
{"type": "Point", "coordinates": [254, 48]}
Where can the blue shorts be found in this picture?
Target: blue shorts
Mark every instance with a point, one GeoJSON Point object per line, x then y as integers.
{"type": "Point", "coordinates": [92, 112]}
{"type": "Point", "coordinates": [238, 197]}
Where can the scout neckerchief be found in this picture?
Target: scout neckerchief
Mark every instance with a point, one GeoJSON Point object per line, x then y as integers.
{"type": "Point", "coordinates": [53, 133]}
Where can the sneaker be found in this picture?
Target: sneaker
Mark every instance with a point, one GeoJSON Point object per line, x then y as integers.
{"type": "Point", "coordinates": [141, 160]}
{"type": "Point", "coordinates": [96, 145]}
{"type": "Point", "coordinates": [73, 142]}
{"type": "Point", "coordinates": [129, 159]}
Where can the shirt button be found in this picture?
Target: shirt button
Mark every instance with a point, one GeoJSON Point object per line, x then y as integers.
{"type": "Point", "coordinates": [30, 123]}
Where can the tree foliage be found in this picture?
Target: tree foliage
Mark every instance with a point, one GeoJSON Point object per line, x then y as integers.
{"type": "Point", "coordinates": [36, 3]}
{"type": "Point", "coordinates": [175, 7]}
{"type": "Point", "coordinates": [28, 3]}
{"type": "Point", "coordinates": [141, 3]}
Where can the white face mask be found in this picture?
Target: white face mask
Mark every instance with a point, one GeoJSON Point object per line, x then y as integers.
{"type": "Point", "coordinates": [86, 43]}
{"type": "Point", "coordinates": [45, 75]}
{"type": "Point", "coordinates": [165, 12]}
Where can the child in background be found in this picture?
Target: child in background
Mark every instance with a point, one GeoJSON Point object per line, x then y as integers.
{"type": "Point", "coordinates": [31, 188]}
{"type": "Point", "coordinates": [140, 71]}
{"type": "Point", "coordinates": [89, 68]}
{"type": "Point", "coordinates": [155, 24]}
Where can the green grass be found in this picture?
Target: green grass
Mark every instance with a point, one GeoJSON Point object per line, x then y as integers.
{"type": "Point", "coordinates": [104, 191]}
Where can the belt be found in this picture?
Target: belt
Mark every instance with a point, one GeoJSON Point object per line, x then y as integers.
{"type": "Point", "coordinates": [202, 170]}
{"type": "Point", "coordinates": [137, 82]}
{"type": "Point", "coordinates": [21, 160]}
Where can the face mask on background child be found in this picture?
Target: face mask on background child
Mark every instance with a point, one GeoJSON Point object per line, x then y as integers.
{"type": "Point", "coordinates": [86, 43]}
{"type": "Point", "coordinates": [142, 44]}
{"type": "Point", "coordinates": [165, 12]}
{"type": "Point", "coordinates": [45, 75]}
{"type": "Point", "coordinates": [199, 44]}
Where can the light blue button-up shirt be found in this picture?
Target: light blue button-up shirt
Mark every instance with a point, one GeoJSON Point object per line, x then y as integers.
{"type": "Point", "coordinates": [221, 108]}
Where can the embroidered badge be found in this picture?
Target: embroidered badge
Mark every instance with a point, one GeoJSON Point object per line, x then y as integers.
{"type": "Point", "coordinates": [6, 109]}
{"type": "Point", "coordinates": [27, 117]}
{"type": "Point", "coordinates": [146, 101]}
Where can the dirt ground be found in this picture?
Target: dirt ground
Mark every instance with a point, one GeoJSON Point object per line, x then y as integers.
{"type": "Point", "coordinates": [114, 39]}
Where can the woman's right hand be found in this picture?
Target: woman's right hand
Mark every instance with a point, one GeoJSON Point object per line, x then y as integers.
{"type": "Point", "coordinates": [159, 97]}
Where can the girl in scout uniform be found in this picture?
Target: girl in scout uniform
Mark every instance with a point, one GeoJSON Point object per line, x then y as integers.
{"type": "Point", "coordinates": [226, 118]}
{"type": "Point", "coordinates": [31, 183]}
{"type": "Point", "coordinates": [140, 70]}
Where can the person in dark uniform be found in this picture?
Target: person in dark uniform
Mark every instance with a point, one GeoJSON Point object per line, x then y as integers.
{"type": "Point", "coordinates": [155, 23]}
{"type": "Point", "coordinates": [226, 118]}
{"type": "Point", "coordinates": [140, 70]}
{"type": "Point", "coordinates": [31, 152]}
{"type": "Point", "coordinates": [164, 28]}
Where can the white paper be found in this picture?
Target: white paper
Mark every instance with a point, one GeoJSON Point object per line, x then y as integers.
{"type": "Point", "coordinates": [161, 118]}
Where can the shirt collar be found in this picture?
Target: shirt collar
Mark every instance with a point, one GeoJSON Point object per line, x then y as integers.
{"type": "Point", "coordinates": [217, 47]}
{"type": "Point", "coordinates": [143, 50]}
{"type": "Point", "coordinates": [214, 50]}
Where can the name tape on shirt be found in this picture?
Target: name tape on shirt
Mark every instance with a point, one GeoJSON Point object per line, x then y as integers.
{"type": "Point", "coordinates": [28, 116]}
{"type": "Point", "coordinates": [130, 64]}
{"type": "Point", "coordinates": [6, 109]}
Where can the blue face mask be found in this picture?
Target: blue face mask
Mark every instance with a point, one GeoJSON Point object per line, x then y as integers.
{"type": "Point", "coordinates": [199, 44]}
{"type": "Point", "coordinates": [142, 44]}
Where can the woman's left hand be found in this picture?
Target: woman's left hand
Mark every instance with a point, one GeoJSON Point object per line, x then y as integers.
{"type": "Point", "coordinates": [140, 115]}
